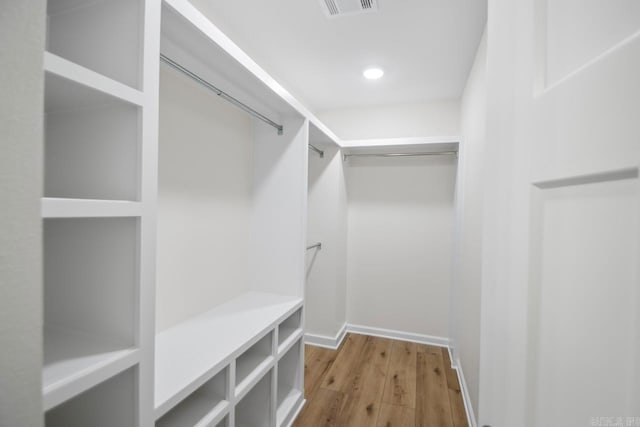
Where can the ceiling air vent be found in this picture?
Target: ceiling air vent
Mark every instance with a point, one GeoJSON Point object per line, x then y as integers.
{"type": "Point", "coordinates": [335, 8]}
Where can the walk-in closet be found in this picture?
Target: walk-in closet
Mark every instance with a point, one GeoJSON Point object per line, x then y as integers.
{"type": "Point", "coordinates": [359, 213]}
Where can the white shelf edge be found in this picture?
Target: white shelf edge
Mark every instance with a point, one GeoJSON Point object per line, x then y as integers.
{"type": "Point", "coordinates": [290, 403]}
{"type": "Point", "coordinates": [254, 377]}
{"type": "Point", "coordinates": [71, 71]}
{"type": "Point", "coordinates": [387, 142]}
{"type": "Point", "coordinates": [216, 415]}
{"type": "Point", "coordinates": [81, 381]}
{"type": "Point", "coordinates": [53, 207]}
{"type": "Point", "coordinates": [290, 342]}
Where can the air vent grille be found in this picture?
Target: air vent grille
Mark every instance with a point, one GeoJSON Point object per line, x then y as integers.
{"type": "Point", "coordinates": [335, 8]}
{"type": "Point", "coordinates": [366, 4]}
{"type": "Point", "coordinates": [332, 7]}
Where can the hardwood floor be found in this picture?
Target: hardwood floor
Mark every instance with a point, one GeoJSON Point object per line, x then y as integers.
{"type": "Point", "coordinates": [378, 382]}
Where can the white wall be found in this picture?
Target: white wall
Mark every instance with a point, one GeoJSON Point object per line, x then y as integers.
{"type": "Point", "coordinates": [400, 224]}
{"type": "Point", "coordinates": [205, 192]}
{"type": "Point", "coordinates": [279, 207]}
{"type": "Point", "coordinates": [22, 25]}
{"type": "Point", "coordinates": [467, 274]}
{"type": "Point", "coordinates": [395, 121]}
{"type": "Point", "coordinates": [326, 285]}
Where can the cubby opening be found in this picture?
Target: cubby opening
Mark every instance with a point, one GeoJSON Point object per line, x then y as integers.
{"type": "Point", "coordinates": [101, 35]}
{"type": "Point", "coordinates": [92, 148]}
{"type": "Point", "coordinates": [90, 293]}
{"type": "Point", "coordinates": [289, 326]}
{"type": "Point", "coordinates": [111, 403]}
{"type": "Point", "coordinates": [289, 382]}
{"type": "Point", "coordinates": [254, 410]}
{"type": "Point", "coordinates": [202, 406]}
{"type": "Point", "coordinates": [253, 359]}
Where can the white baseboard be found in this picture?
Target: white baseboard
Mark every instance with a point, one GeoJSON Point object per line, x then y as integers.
{"type": "Point", "coordinates": [399, 335]}
{"type": "Point", "coordinates": [471, 419]}
{"type": "Point", "coordinates": [326, 341]}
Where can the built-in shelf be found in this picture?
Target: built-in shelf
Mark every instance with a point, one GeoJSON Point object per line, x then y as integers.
{"type": "Point", "coordinates": [62, 69]}
{"type": "Point", "coordinates": [92, 148]}
{"type": "Point", "coordinates": [111, 403]}
{"type": "Point", "coordinates": [289, 390]}
{"type": "Point", "coordinates": [254, 410]}
{"type": "Point", "coordinates": [190, 353]}
{"type": "Point", "coordinates": [101, 35]}
{"type": "Point", "coordinates": [253, 363]}
{"type": "Point", "coordinates": [75, 361]}
{"type": "Point", "coordinates": [204, 407]}
{"type": "Point", "coordinates": [289, 330]}
{"type": "Point", "coordinates": [90, 280]}
{"type": "Point", "coordinates": [290, 341]}
{"type": "Point", "coordinates": [53, 207]}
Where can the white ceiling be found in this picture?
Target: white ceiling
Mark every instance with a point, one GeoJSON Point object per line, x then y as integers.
{"type": "Point", "coordinates": [426, 47]}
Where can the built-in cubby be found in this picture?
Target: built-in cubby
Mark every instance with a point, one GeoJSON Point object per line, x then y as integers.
{"type": "Point", "coordinates": [92, 148]}
{"type": "Point", "coordinates": [101, 35]}
{"type": "Point", "coordinates": [254, 410]}
{"type": "Point", "coordinates": [204, 406]}
{"type": "Point", "coordinates": [90, 292]}
{"type": "Point", "coordinates": [109, 404]}
{"type": "Point", "coordinates": [289, 329]}
{"type": "Point", "coordinates": [289, 393]}
{"type": "Point", "coordinates": [254, 361]}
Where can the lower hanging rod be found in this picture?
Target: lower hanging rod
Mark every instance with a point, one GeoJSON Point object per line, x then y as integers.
{"type": "Point", "coordinates": [220, 93]}
{"type": "Point", "coordinates": [434, 153]}
{"type": "Point", "coordinates": [317, 150]}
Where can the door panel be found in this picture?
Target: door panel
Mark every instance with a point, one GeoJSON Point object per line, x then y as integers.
{"type": "Point", "coordinates": [583, 296]}
{"type": "Point", "coordinates": [561, 299]}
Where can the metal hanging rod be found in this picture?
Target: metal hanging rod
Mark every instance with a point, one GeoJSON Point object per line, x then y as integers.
{"type": "Point", "coordinates": [317, 150]}
{"type": "Point", "coordinates": [317, 245]}
{"type": "Point", "coordinates": [220, 93]}
{"type": "Point", "coordinates": [439, 153]}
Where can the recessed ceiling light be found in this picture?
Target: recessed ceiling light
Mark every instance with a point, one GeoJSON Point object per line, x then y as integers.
{"type": "Point", "coordinates": [373, 73]}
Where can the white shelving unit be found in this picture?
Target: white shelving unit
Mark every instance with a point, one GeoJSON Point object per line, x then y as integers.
{"type": "Point", "coordinates": [236, 337]}
{"type": "Point", "coordinates": [260, 323]}
{"type": "Point", "coordinates": [100, 118]}
{"type": "Point", "coordinates": [241, 362]}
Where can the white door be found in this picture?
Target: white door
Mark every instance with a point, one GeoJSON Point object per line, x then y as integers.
{"type": "Point", "coordinates": [561, 284]}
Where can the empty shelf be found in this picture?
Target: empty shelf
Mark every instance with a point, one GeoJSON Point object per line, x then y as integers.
{"type": "Point", "coordinates": [57, 67]}
{"type": "Point", "coordinates": [75, 362]}
{"type": "Point", "coordinates": [52, 207]}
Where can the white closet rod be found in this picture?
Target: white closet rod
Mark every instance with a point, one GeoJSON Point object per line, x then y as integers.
{"type": "Point", "coordinates": [317, 150]}
{"type": "Point", "coordinates": [440, 153]}
{"type": "Point", "coordinates": [220, 93]}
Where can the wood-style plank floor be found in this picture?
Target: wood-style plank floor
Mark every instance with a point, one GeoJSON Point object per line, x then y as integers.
{"type": "Point", "coordinates": [378, 382]}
